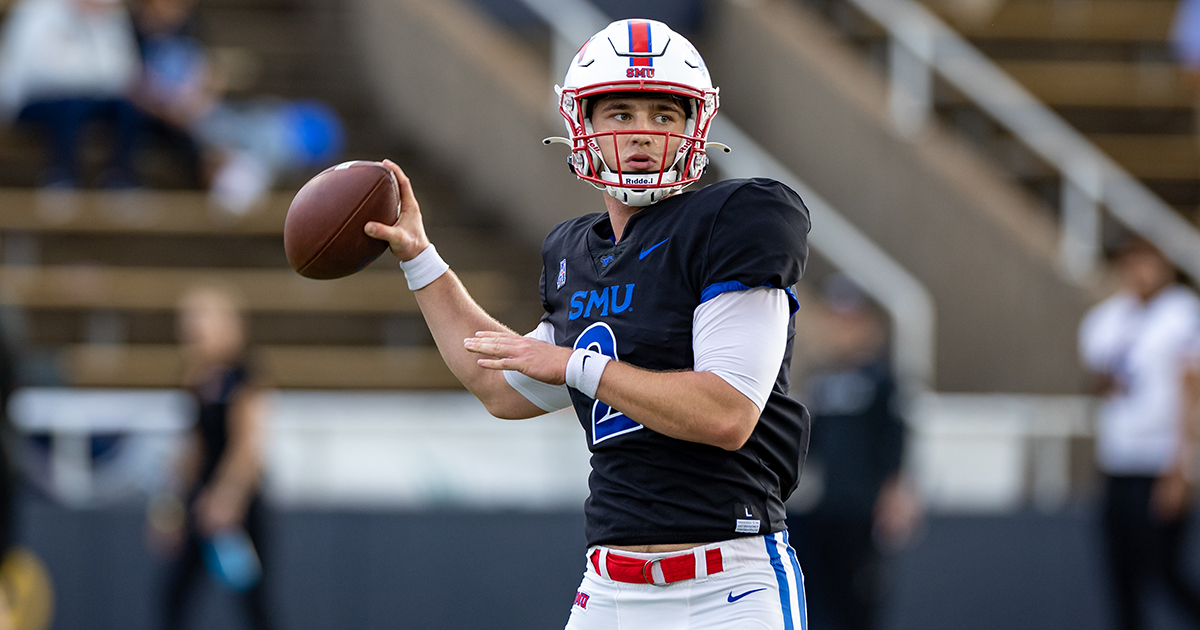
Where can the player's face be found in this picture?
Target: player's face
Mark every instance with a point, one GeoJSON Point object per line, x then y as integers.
{"type": "Point", "coordinates": [210, 326]}
{"type": "Point", "coordinates": [1146, 272]}
{"type": "Point", "coordinates": [852, 336]}
{"type": "Point", "coordinates": [633, 151]}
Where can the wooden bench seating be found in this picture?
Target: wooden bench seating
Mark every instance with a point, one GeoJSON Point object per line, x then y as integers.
{"type": "Point", "coordinates": [1072, 20]}
{"type": "Point", "coordinates": [1102, 84]}
{"type": "Point", "coordinates": [341, 367]}
{"type": "Point", "coordinates": [70, 260]}
{"type": "Point", "coordinates": [141, 211]}
{"type": "Point", "coordinates": [1152, 156]}
{"type": "Point", "coordinates": [264, 290]}
{"type": "Point", "coordinates": [144, 284]}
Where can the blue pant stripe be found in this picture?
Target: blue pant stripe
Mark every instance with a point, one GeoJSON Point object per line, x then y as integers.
{"type": "Point", "coordinates": [800, 597]}
{"type": "Point", "coordinates": [781, 577]}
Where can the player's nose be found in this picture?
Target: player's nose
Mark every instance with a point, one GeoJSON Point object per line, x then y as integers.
{"type": "Point", "coordinates": [641, 138]}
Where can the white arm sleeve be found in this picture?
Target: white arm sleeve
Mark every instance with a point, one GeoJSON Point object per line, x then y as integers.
{"type": "Point", "coordinates": [741, 337]}
{"type": "Point", "coordinates": [546, 396]}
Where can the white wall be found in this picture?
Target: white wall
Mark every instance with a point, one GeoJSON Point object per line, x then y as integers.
{"type": "Point", "coordinates": [409, 450]}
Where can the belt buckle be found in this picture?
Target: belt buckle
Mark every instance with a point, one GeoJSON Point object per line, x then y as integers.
{"type": "Point", "coordinates": [648, 572]}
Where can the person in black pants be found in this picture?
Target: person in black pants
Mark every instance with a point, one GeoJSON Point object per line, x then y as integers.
{"type": "Point", "coordinates": [854, 463]}
{"type": "Point", "coordinates": [1143, 346]}
{"type": "Point", "coordinates": [1143, 546]}
{"type": "Point", "coordinates": [220, 474]}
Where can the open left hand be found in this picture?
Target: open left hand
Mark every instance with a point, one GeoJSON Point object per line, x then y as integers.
{"type": "Point", "coordinates": [509, 351]}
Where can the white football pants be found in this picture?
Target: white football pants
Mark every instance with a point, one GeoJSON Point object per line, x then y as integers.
{"type": "Point", "coordinates": [761, 587]}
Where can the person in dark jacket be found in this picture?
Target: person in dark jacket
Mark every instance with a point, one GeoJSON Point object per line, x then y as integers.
{"type": "Point", "coordinates": [854, 463]}
{"type": "Point", "coordinates": [219, 522]}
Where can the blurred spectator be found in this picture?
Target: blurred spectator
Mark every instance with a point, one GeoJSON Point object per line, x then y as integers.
{"type": "Point", "coordinates": [244, 147]}
{"type": "Point", "coordinates": [1185, 40]}
{"type": "Point", "coordinates": [177, 81]}
{"type": "Point", "coordinates": [1185, 34]}
{"type": "Point", "coordinates": [256, 142]}
{"type": "Point", "coordinates": [1141, 344]}
{"type": "Point", "coordinates": [217, 520]}
{"type": "Point", "coordinates": [64, 64]}
{"type": "Point", "coordinates": [855, 456]}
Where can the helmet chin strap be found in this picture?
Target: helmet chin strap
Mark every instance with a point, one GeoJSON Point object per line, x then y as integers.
{"type": "Point", "coordinates": [624, 189]}
{"type": "Point", "coordinates": [639, 198]}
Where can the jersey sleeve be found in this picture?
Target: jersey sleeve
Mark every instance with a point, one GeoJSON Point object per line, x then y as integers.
{"type": "Point", "coordinates": [1190, 346]}
{"type": "Point", "coordinates": [741, 337]}
{"type": "Point", "coordinates": [759, 238]}
{"type": "Point", "coordinates": [1100, 337]}
{"type": "Point", "coordinates": [547, 397]}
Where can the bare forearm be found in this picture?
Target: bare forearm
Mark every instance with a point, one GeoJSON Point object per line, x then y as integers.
{"type": "Point", "coordinates": [240, 466]}
{"type": "Point", "coordinates": [452, 316]}
{"type": "Point", "coordinates": [187, 467]}
{"type": "Point", "coordinates": [239, 469]}
{"type": "Point", "coordinates": [449, 311]}
{"type": "Point", "coordinates": [1190, 424]}
{"type": "Point", "coordinates": [693, 406]}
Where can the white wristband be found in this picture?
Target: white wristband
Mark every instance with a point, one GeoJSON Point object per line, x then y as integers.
{"type": "Point", "coordinates": [424, 269]}
{"type": "Point", "coordinates": [584, 369]}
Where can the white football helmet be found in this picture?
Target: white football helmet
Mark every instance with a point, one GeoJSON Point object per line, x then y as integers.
{"type": "Point", "coordinates": [637, 56]}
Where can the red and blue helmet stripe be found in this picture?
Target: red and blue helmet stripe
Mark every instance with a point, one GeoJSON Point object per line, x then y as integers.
{"type": "Point", "coordinates": [639, 42]}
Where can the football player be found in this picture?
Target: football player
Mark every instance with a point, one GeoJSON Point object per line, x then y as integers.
{"type": "Point", "coordinates": [668, 327]}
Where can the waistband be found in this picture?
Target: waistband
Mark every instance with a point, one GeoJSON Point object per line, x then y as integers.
{"type": "Point", "coordinates": [661, 569]}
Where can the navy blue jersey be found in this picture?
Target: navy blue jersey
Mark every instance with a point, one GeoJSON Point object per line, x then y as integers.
{"type": "Point", "coordinates": [634, 302]}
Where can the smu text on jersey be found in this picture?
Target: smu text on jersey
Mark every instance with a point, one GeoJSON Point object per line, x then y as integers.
{"type": "Point", "coordinates": [604, 302]}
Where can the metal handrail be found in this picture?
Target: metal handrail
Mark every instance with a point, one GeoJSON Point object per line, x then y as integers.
{"type": "Point", "coordinates": [921, 43]}
{"type": "Point", "coordinates": [908, 303]}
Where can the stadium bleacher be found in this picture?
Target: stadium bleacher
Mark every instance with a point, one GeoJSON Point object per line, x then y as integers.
{"type": "Point", "coordinates": [1106, 66]}
{"type": "Point", "coordinates": [97, 273]}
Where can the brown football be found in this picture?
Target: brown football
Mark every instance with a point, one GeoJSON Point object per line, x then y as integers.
{"type": "Point", "coordinates": [323, 232]}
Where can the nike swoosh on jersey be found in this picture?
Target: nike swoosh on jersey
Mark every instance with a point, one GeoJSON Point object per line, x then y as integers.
{"type": "Point", "coordinates": [732, 598]}
{"type": "Point", "coordinates": [646, 252]}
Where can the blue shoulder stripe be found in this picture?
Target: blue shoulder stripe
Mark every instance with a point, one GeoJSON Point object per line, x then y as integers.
{"type": "Point", "coordinates": [713, 290]}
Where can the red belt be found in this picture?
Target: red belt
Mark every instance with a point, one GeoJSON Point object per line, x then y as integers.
{"type": "Point", "coordinates": [641, 571]}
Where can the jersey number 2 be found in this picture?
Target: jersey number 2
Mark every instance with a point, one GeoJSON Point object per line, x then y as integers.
{"type": "Point", "coordinates": [606, 421]}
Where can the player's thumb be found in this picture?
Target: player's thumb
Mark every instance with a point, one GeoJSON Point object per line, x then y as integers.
{"type": "Point", "coordinates": [378, 230]}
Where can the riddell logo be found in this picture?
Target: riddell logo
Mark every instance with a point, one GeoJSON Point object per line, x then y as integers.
{"type": "Point", "coordinates": [639, 73]}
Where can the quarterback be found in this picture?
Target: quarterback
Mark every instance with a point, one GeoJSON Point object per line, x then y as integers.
{"type": "Point", "coordinates": [668, 328]}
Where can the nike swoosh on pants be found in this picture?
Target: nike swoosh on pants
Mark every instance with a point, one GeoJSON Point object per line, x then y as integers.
{"type": "Point", "coordinates": [732, 598]}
